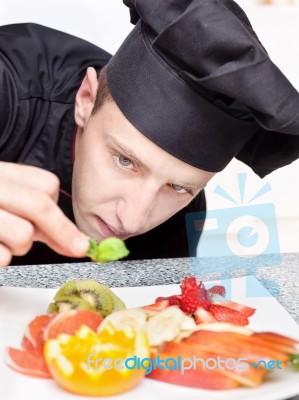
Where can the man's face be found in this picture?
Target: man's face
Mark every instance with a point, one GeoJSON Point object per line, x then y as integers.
{"type": "Point", "coordinates": [123, 184]}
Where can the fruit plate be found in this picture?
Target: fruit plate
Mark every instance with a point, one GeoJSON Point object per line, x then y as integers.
{"type": "Point", "coordinates": [19, 305]}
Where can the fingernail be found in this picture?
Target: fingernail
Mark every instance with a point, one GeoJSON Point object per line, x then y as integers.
{"type": "Point", "coordinates": [81, 245]}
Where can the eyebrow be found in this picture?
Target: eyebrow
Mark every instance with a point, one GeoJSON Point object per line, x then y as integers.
{"type": "Point", "coordinates": [128, 152]}
{"type": "Point", "coordinates": [131, 154]}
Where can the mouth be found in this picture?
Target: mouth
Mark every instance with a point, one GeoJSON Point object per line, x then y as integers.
{"type": "Point", "coordinates": [107, 231]}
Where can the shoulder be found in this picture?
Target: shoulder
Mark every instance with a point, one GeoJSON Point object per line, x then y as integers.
{"type": "Point", "coordinates": [46, 62]}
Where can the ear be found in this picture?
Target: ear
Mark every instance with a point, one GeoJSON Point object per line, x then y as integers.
{"type": "Point", "coordinates": [85, 97]}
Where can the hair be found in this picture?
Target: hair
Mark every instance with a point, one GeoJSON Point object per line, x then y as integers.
{"type": "Point", "coordinates": [103, 92]}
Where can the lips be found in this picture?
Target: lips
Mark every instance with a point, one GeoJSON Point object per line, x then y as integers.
{"type": "Point", "coordinates": [107, 231]}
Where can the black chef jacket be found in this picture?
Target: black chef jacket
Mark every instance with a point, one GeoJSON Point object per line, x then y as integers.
{"type": "Point", "coordinates": [41, 70]}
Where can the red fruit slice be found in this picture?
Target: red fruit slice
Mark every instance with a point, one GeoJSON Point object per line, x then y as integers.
{"type": "Point", "coordinates": [232, 344]}
{"type": "Point", "coordinates": [26, 345]}
{"type": "Point", "coordinates": [158, 306]}
{"type": "Point", "coordinates": [226, 314]}
{"type": "Point", "coordinates": [280, 342]}
{"type": "Point", "coordinates": [203, 316]}
{"type": "Point", "coordinates": [33, 340]}
{"type": "Point", "coordinates": [247, 311]}
{"type": "Point", "coordinates": [70, 321]}
{"type": "Point", "coordinates": [26, 363]}
{"type": "Point", "coordinates": [250, 376]}
{"type": "Point", "coordinates": [194, 377]}
{"type": "Point", "coordinates": [220, 290]}
{"type": "Point", "coordinates": [188, 283]}
{"type": "Point", "coordinates": [193, 295]}
{"type": "Point", "coordinates": [174, 300]}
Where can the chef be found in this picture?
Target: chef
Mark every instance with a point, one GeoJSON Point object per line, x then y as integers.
{"type": "Point", "coordinates": [95, 146]}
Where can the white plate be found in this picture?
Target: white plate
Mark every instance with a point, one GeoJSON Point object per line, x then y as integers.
{"type": "Point", "coordinates": [19, 305]}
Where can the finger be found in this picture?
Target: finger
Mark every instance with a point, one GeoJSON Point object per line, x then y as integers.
{"type": "Point", "coordinates": [31, 177]}
{"type": "Point", "coordinates": [16, 233]}
{"type": "Point", "coordinates": [5, 256]}
{"type": "Point", "coordinates": [41, 237]}
{"type": "Point", "coordinates": [46, 216]}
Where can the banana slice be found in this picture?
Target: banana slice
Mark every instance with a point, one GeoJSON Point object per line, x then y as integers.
{"type": "Point", "coordinates": [164, 326]}
{"type": "Point", "coordinates": [188, 323]}
{"type": "Point", "coordinates": [122, 318]}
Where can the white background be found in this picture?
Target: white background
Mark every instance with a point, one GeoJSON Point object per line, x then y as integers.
{"type": "Point", "coordinates": [106, 23]}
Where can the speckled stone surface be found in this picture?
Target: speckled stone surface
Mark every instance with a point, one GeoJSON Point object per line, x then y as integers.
{"type": "Point", "coordinates": [281, 279]}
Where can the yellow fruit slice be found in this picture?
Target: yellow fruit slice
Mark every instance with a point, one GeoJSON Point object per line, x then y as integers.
{"type": "Point", "coordinates": [94, 364]}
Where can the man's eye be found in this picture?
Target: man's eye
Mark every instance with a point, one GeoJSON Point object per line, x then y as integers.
{"type": "Point", "coordinates": [122, 161]}
{"type": "Point", "coordinates": [179, 188]}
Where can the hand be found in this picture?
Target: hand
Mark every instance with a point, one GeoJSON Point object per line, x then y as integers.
{"type": "Point", "coordinates": [29, 212]}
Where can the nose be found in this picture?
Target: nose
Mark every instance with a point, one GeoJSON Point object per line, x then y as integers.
{"type": "Point", "coordinates": [135, 207]}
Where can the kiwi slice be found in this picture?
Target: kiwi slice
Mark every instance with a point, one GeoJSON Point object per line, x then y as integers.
{"type": "Point", "coordinates": [52, 308]}
{"type": "Point", "coordinates": [118, 304]}
{"type": "Point", "coordinates": [67, 289]}
{"type": "Point", "coordinates": [95, 295]}
{"type": "Point", "coordinates": [67, 303]}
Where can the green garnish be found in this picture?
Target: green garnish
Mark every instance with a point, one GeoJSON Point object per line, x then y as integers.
{"type": "Point", "coordinates": [109, 249]}
{"type": "Point", "coordinates": [294, 361]}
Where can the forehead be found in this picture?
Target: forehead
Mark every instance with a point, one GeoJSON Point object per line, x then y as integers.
{"type": "Point", "coordinates": [118, 131]}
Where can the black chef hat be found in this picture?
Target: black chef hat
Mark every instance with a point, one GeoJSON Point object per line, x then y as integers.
{"type": "Point", "coordinates": [193, 77]}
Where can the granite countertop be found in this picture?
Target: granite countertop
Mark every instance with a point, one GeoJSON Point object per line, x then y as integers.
{"type": "Point", "coordinates": [282, 280]}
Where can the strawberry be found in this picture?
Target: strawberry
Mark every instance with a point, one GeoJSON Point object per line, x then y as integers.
{"type": "Point", "coordinates": [226, 314]}
{"type": "Point", "coordinates": [203, 316]}
{"type": "Point", "coordinates": [220, 290]}
{"type": "Point", "coordinates": [188, 283]}
{"type": "Point", "coordinates": [245, 310]}
{"type": "Point", "coordinates": [174, 300]}
{"type": "Point", "coordinates": [190, 301]}
{"type": "Point", "coordinates": [193, 295]}
{"type": "Point", "coordinates": [203, 298]}
{"type": "Point", "coordinates": [158, 305]}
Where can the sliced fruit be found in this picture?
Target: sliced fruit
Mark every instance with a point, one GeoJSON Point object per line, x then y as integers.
{"type": "Point", "coordinates": [86, 294]}
{"type": "Point", "coordinates": [233, 344]}
{"type": "Point", "coordinates": [174, 300]}
{"type": "Point", "coordinates": [77, 362]}
{"type": "Point", "coordinates": [188, 283]}
{"type": "Point", "coordinates": [69, 322]}
{"type": "Point", "coordinates": [216, 290]}
{"type": "Point", "coordinates": [203, 316]}
{"type": "Point", "coordinates": [239, 371]}
{"type": "Point", "coordinates": [280, 342]}
{"type": "Point", "coordinates": [164, 326]}
{"type": "Point", "coordinates": [193, 295]}
{"type": "Point", "coordinates": [226, 314]}
{"type": "Point", "coordinates": [67, 303]}
{"type": "Point", "coordinates": [52, 308]}
{"type": "Point", "coordinates": [118, 304]}
{"type": "Point", "coordinates": [134, 318]}
{"type": "Point", "coordinates": [26, 345]}
{"type": "Point", "coordinates": [26, 363]}
{"type": "Point", "coordinates": [247, 311]}
{"type": "Point", "coordinates": [157, 306]}
{"type": "Point", "coordinates": [202, 379]}
{"type": "Point", "coordinates": [33, 340]}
